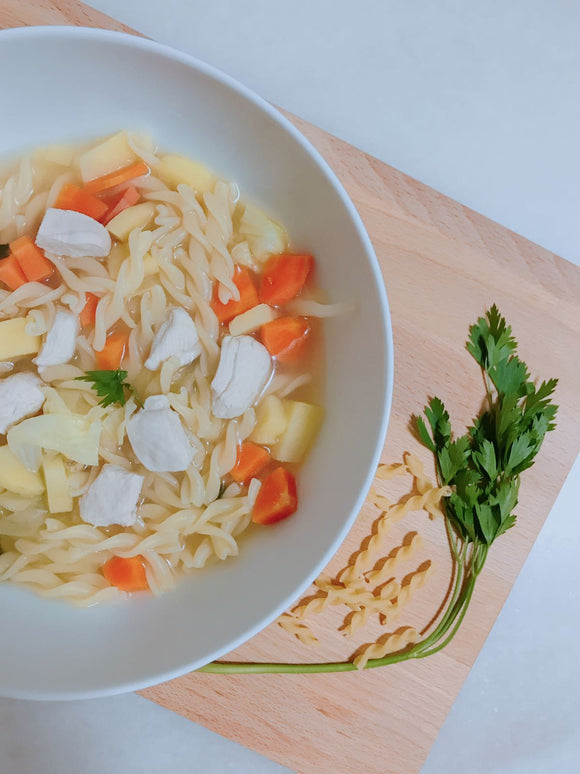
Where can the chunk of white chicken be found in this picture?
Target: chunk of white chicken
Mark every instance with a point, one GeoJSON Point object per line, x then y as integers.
{"type": "Point", "coordinates": [65, 232]}
{"type": "Point", "coordinates": [177, 337]}
{"type": "Point", "coordinates": [158, 438]}
{"type": "Point", "coordinates": [60, 343]}
{"type": "Point", "coordinates": [112, 498]}
{"type": "Point", "coordinates": [244, 370]}
{"type": "Point", "coordinates": [20, 396]}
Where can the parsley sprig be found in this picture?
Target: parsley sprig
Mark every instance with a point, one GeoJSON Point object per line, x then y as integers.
{"type": "Point", "coordinates": [483, 469]}
{"type": "Point", "coordinates": [484, 465]}
{"type": "Point", "coordinates": [109, 385]}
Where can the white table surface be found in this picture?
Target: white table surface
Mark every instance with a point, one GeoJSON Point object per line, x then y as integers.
{"type": "Point", "coordinates": [479, 100]}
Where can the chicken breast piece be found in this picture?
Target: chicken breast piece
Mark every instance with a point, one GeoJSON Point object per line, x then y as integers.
{"type": "Point", "coordinates": [177, 337]}
{"type": "Point", "coordinates": [20, 396]}
{"type": "Point", "coordinates": [243, 371]}
{"type": "Point", "coordinates": [158, 438]}
{"type": "Point", "coordinates": [112, 498]}
{"type": "Point", "coordinates": [65, 232]}
{"type": "Point", "coordinates": [60, 343]}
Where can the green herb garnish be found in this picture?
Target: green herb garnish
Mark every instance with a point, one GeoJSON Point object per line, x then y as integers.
{"type": "Point", "coordinates": [483, 469]}
{"type": "Point", "coordinates": [4, 250]}
{"type": "Point", "coordinates": [109, 385]}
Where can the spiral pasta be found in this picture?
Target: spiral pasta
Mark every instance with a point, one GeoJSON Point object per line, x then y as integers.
{"type": "Point", "coordinates": [367, 587]}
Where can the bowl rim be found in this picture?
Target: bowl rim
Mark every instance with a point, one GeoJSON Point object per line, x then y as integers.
{"type": "Point", "coordinates": [136, 41]}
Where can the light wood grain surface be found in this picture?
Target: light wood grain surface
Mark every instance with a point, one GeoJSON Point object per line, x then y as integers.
{"type": "Point", "coordinates": [443, 265]}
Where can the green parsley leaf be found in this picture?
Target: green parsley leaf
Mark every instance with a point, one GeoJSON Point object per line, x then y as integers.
{"type": "Point", "coordinates": [109, 385]}
{"type": "Point", "coordinates": [4, 250]}
{"type": "Point", "coordinates": [484, 465]}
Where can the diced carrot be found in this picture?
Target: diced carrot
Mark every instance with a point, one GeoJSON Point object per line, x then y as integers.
{"type": "Point", "coordinates": [248, 297]}
{"type": "Point", "coordinates": [127, 574]}
{"type": "Point", "coordinates": [284, 277]}
{"type": "Point", "coordinates": [285, 338]}
{"type": "Point", "coordinates": [71, 197]}
{"type": "Point", "coordinates": [87, 315]}
{"type": "Point", "coordinates": [250, 461]}
{"type": "Point", "coordinates": [117, 177]}
{"type": "Point", "coordinates": [10, 273]}
{"type": "Point", "coordinates": [122, 201]}
{"type": "Point", "coordinates": [31, 259]}
{"type": "Point", "coordinates": [111, 356]}
{"type": "Point", "coordinates": [276, 499]}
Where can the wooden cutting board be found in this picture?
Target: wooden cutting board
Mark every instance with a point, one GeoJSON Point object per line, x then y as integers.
{"type": "Point", "coordinates": [443, 265]}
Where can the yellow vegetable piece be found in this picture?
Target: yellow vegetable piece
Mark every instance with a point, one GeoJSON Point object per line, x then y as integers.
{"type": "Point", "coordinates": [56, 154]}
{"type": "Point", "coordinates": [303, 421]}
{"type": "Point", "coordinates": [73, 435]}
{"type": "Point", "coordinates": [270, 421]}
{"type": "Point", "coordinates": [114, 153]}
{"type": "Point", "coordinates": [131, 218]}
{"type": "Point", "coordinates": [16, 478]}
{"type": "Point", "coordinates": [14, 341]}
{"type": "Point", "coordinates": [250, 321]}
{"type": "Point", "coordinates": [264, 236]}
{"type": "Point", "coordinates": [57, 486]}
{"type": "Point", "coordinates": [174, 170]}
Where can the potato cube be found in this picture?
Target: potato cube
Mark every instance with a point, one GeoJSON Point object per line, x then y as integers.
{"type": "Point", "coordinates": [131, 218]}
{"type": "Point", "coordinates": [114, 153]}
{"type": "Point", "coordinates": [270, 421]}
{"type": "Point", "coordinates": [14, 341]}
{"type": "Point", "coordinates": [16, 478]}
{"type": "Point", "coordinates": [303, 421]}
{"type": "Point", "coordinates": [174, 170]}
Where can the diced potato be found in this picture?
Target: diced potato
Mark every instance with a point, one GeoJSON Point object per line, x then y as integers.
{"type": "Point", "coordinates": [57, 486]}
{"type": "Point", "coordinates": [174, 170]}
{"type": "Point", "coordinates": [14, 341]}
{"type": "Point", "coordinates": [302, 423]}
{"type": "Point", "coordinates": [252, 320]}
{"type": "Point", "coordinates": [270, 421]}
{"type": "Point", "coordinates": [16, 478]}
{"type": "Point", "coordinates": [106, 157]}
{"type": "Point", "coordinates": [133, 217]}
{"type": "Point", "coordinates": [150, 265]}
{"type": "Point", "coordinates": [56, 154]}
{"type": "Point", "coordinates": [264, 236]}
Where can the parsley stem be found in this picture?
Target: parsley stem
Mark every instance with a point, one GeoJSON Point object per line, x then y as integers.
{"type": "Point", "coordinates": [467, 573]}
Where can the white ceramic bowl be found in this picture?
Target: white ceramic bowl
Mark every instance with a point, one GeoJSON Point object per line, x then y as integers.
{"type": "Point", "coordinates": [72, 84]}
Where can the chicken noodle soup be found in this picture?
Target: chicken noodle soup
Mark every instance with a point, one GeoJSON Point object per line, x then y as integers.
{"type": "Point", "coordinates": [156, 337]}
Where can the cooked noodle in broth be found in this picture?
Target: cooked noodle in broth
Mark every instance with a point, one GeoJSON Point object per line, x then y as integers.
{"type": "Point", "coordinates": [156, 390]}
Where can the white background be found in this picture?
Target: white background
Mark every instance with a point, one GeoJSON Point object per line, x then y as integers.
{"type": "Point", "coordinates": [480, 99]}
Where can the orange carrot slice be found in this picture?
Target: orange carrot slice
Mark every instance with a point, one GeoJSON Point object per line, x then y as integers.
{"type": "Point", "coordinates": [10, 273]}
{"type": "Point", "coordinates": [127, 574]}
{"type": "Point", "coordinates": [285, 338]}
{"type": "Point", "coordinates": [122, 201]}
{"type": "Point", "coordinates": [87, 316]}
{"type": "Point", "coordinates": [284, 278]}
{"type": "Point", "coordinates": [111, 356]}
{"type": "Point", "coordinates": [71, 197]}
{"type": "Point", "coordinates": [250, 461]}
{"type": "Point", "coordinates": [31, 259]}
{"type": "Point", "coordinates": [117, 177]}
{"type": "Point", "coordinates": [248, 297]}
{"type": "Point", "coordinates": [276, 499]}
